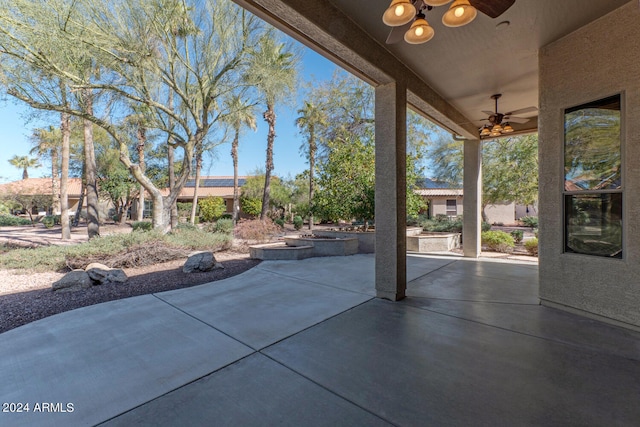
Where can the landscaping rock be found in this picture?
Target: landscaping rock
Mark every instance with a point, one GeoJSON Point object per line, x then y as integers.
{"type": "Point", "coordinates": [201, 261]}
{"type": "Point", "coordinates": [101, 274]}
{"type": "Point", "coordinates": [74, 280]}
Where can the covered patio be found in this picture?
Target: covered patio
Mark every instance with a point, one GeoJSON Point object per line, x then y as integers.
{"type": "Point", "coordinates": [546, 59]}
{"type": "Point", "coordinates": [307, 343]}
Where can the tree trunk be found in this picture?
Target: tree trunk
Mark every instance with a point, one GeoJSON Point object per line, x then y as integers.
{"type": "Point", "coordinates": [172, 183]}
{"type": "Point", "coordinates": [236, 191]}
{"type": "Point", "coordinates": [312, 162]}
{"type": "Point", "coordinates": [270, 118]}
{"type": "Point", "coordinates": [55, 181]}
{"type": "Point", "coordinates": [93, 216]}
{"type": "Point", "coordinates": [196, 186]}
{"type": "Point", "coordinates": [65, 127]}
{"type": "Point", "coordinates": [83, 189]}
{"type": "Point", "coordinates": [142, 139]}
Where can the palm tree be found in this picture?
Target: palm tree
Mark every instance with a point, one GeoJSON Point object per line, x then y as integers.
{"type": "Point", "coordinates": [273, 72]}
{"type": "Point", "coordinates": [240, 113]}
{"type": "Point", "coordinates": [47, 144]}
{"type": "Point", "coordinates": [311, 117]}
{"type": "Point", "coordinates": [24, 163]}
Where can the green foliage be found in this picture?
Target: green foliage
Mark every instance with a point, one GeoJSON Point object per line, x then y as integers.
{"type": "Point", "coordinates": [517, 235]}
{"type": "Point", "coordinates": [51, 220]}
{"type": "Point", "coordinates": [280, 222]}
{"type": "Point", "coordinates": [256, 230]}
{"type": "Point", "coordinates": [184, 209]}
{"type": "Point", "coordinates": [530, 221]}
{"type": "Point", "coordinates": [142, 226]}
{"type": "Point", "coordinates": [12, 221]}
{"type": "Point", "coordinates": [251, 205]}
{"type": "Point", "coordinates": [346, 182]}
{"type": "Point", "coordinates": [211, 208]}
{"type": "Point", "coordinates": [442, 224]}
{"type": "Point", "coordinates": [498, 241]}
{"type": "Point", "coordinates": [297, 222]}
{"type": "Point", "coordinates": [224, 225]}
{"type": "Point", "coordinates": [197, 239]}
{"type": "Point", "coordinates": [532, 246]}
{"type": "Point", "coordinates": [486, 226]}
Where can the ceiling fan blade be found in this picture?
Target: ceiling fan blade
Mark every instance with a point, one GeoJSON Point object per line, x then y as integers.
{"type": "Point", "coordinates": [492, 8]}
{"type": "Point", "coordinates": [514, 119]}
{"type": "Point", "coordinates": [397, 33]}
{"type": "Point", "coordinates": [522, 111]}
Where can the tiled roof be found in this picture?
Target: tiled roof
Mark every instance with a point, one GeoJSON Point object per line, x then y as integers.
{"type": "Point", "coordinates": [33, 186]}
{"type": "Point", "coordinates": [430, 183]}
{"type": "Point", "coordinates": [442, 192]}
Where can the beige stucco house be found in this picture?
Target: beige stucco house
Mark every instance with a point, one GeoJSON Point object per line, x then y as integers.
{"type": "Point", "coordinates": [570, 59]}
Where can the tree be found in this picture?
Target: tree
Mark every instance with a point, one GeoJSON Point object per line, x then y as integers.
{"type": "Point", "coordinates": [273, 72]}
{"type": "Point", "coordinates": [510, 172]}
{"type": "Point", "coordinates": [311, 117]}
{"type": "Point", "coordinates": [175, 57]}
{"type": "Point", "coordinates": [24, 163]}
{"type": "Point", "coordinates": [240, 114]}
{"type": "Point", "coordinates": [252, 192]}
{"type": "Point", "coordinates": [47, 143]}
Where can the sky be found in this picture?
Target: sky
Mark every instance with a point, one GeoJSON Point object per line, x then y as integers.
{"type": "Point", "coordinates": [16, 128]}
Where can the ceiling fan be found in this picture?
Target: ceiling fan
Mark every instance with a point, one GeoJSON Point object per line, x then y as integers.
{"type": "Point", "coordinates": [411, 25]}
{"type": "Point", "coordinates": [499, 122]}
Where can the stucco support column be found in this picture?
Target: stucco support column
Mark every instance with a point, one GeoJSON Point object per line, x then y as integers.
{"type": "Point", "coordinates": [391, 189]}
{"type": "Point", "coordinates": [472, 204]}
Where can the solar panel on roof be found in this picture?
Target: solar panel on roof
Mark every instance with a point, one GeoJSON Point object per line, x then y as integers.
{"type": "Point", "coordinates": [216, 182]}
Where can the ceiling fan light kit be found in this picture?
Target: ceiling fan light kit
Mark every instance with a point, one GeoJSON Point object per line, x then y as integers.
{"type": "Point", "coordinates": [460, 13]}
{"type": "Point", "coordinates": [496, 127]}
{"type": "Point", "coordinates": [420, 31]}
{"type": "Point", "coordinates": [400, 12]}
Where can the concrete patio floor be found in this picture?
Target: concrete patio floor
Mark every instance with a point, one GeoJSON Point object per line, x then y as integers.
{"type": "Point", "coordinates": [305, 343]}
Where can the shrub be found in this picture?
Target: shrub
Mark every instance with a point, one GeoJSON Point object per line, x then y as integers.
{"type": "Point", "coordinates": [186, 226]}
{"type": "Point", "coordinates": [197, 239]}
{"type": "Point", "coordinates": [211, 208]}
{"type": "Point", "coordinates": [486, 226]}
{"type": "Point", "coordinates": [142, 226]}
{"type": "Point", "coordinates": [251, 205]}
{"type": "Point", "coordinates": [224, 225]}
{"type": "Point", "coordinates": [280, 222]}
{"type": "Point", "coordinates": [498, 241]}
{"type": "Point", "coordinates": [256, 230]}
{"type": "Point", "coordinates": [532, 246]}
{"type": "Point", "coordinates": [297, 222]}
{"type": "Point", "coordinates": [517, 235]}
{"type": "Point", "coordinates": [443, 224]}
{"type": "Point", "coordinates": [530, 221]}
{"type": "Point", "coordinates": [11, 221]}
{"type": "Point", "coordinates": [184, 209]}
{"type": "Point", "coordinates": [51, 220]}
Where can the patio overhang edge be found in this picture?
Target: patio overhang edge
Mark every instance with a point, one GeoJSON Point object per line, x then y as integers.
{"type": "Point", "coordinates": [323, 28]}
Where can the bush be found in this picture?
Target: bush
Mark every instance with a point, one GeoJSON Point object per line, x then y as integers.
{"type": "Point", "coordinates": [142, 226]}
{"type": "Point", "coordinates": [297, 222]}
{"type": "Point", "coordinates": [517, 235]}
{"type": "Point", "coordinates": [251, 205]}
{"type": "Point", "coordinates": [530, 221]}
{"type": "Point", "coordinates": [256, 230]}
{"type": "Point", "coordinates": [184, 209]}
{"type": "Point", "coordinates": [442, 224]}
{"type": "Point", "coordinates": [51, 220]}
{"type": "Point", "coordinates": [280, 222]}
{"type": "Point", "coordinates": [11, 221]}
{"type": "Point", "coordinates": [532, 246]}
{"type": "Point", "coordinates": [224, 225]}
{"type": "Point", "coordinates": [486, 226]}
{"type": "Point", "coordinates": [211, 208]}
{"type": "Point", "coordinates": [498, 241]}
{"type": "Point", "coordinates": [196, 239]}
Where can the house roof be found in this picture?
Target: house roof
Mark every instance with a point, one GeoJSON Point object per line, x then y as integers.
{"type": "Point", "coordinates": [36, 186]}
{"type": "Point", "coordinates": [210, 186]}
{"type": "Point", "coordinates": [440, 192]}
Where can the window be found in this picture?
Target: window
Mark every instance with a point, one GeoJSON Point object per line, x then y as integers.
{"type": "Point", "coordinates": [452, 209]}
{"type": "Point", "coordinates": [593, 179]}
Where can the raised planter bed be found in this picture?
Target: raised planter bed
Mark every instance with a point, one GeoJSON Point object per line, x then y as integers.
{"type": "Point", "coordinates": [366, 239]}
{"type": "Point", "coordinates": [326, 246]}
{"type": "Point", "coordinates": [433, 242]}
{"type": "Point", "coordinates": [280, 251]}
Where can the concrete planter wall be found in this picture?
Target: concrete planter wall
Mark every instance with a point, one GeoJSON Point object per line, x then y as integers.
{"type": "Point", "coordinates": [326, 247]}
{"type": "Point", "coordinates": [433, 242]}
{"type": "Point", "coordinates": [366, 240]}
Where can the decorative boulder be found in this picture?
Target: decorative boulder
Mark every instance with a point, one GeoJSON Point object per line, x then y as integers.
{"type": "Point", "coordinates": [201, 261]}
{"type": "Point", "coordinates": [101, 274]}
{"type": "Point", "coordinates": [74, 280]}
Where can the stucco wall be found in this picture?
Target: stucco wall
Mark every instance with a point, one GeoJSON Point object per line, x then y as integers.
{"type": "Point", "coordinates": [502, 213]}
{"type": "Point", "coordinates": [597, 61]}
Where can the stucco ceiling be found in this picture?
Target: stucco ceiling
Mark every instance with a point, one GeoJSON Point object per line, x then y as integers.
{"type": "Point", "coordinates": [466, 65]}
